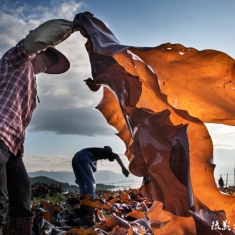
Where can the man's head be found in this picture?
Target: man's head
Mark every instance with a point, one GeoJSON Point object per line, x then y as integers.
{"type": "Point", "coordinates": [108, 148]}
{"type": "Point", "coordinates": [50, 61]}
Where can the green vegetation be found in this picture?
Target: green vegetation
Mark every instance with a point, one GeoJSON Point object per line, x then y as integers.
{"type": "Point", "coordinates": [49, 181]}
{"type": "Point", "coordinates": [59, 197]}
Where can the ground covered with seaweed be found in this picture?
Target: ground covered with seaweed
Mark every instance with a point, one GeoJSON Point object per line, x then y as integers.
{"type": "Point", "coordinates": [113, 212]}
{"type": "Point", "coordinates": [58, 212]}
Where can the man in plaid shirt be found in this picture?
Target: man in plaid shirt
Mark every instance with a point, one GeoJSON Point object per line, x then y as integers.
{"type": "Point", "coordinates": [18, 92]}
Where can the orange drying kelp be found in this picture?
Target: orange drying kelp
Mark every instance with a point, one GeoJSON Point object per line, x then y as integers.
{"type": "Point", "coordinates": [136, 214]}
{"type": "Point", "coordinates": [157, 99]}
{"type": "Point", "coordinates": [164, 222]}
{"type": "Point", "coordinates": [81, 231]}
{"type": "Point", "coordinates": [87, 218]}
{"type": "Point", "coordinates": [125, 197]}
{"type": "Point", "coordinates": [91, 203]}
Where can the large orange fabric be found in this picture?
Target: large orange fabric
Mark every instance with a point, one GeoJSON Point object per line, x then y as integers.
{"type": "Point", "coordinates": [158, 100]}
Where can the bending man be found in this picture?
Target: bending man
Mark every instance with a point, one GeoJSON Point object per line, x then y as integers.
{"type": "Point", "coordinates": [84, 165]}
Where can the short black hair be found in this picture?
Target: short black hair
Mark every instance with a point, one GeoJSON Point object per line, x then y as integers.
{"type": "Point", "coordinates": [52, 56]}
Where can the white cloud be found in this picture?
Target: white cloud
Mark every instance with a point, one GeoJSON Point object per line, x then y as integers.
{"type": "Point", "coordinates": [55, 162]}
{"type": "Point", "coordinates": [60, 162]}
{"type": "Point", "coordinates": [69, 9]}
{"type": "Point", "coordinates": [17, 19]}
{"type": "Point", "coordinates": [223, 136]}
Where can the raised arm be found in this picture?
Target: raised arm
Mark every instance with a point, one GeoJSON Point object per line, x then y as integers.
{"type": "Point", "coordinates": [50, 33]}
{"type": "Point", "coordinates": [124, 170]}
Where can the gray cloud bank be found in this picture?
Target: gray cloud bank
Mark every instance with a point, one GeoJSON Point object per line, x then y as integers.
{"type": "Point", "coordinates": [78, 121]}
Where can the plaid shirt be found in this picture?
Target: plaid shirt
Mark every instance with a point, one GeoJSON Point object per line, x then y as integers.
{"type": "Point", "coordinates": [18, 91]}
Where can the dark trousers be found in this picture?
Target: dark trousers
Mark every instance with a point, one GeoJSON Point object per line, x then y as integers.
{"type": "Point", "coordinates": [84, 164]}
{"type": "Point", "coordinates": [15, 190]}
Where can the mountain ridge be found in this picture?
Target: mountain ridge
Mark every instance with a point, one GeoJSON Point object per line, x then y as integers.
{"type": "Point", "coordinates": [64, 186]}
{"type": "Point", "coordinates": [102, 176]}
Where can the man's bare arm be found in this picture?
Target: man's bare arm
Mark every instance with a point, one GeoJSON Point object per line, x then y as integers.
{"type": "Point", "coordinates": [124, 170]}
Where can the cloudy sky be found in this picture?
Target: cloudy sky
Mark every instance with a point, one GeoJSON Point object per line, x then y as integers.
{"type": "Point", "coordinates": [66, 119]}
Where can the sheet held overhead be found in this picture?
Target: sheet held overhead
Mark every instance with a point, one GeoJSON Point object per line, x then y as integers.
{"type": "Point", "coordinates": [158, 100]}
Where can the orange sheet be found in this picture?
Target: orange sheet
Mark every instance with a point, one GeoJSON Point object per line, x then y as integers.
{"type": "Point", "coordinates": [158, 100]}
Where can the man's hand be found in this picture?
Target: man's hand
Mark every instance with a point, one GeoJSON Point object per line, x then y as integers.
{"type": "Point", "coordinates": [92, 84]}
{"type": "Point", "coordinates": [77, 16]}
{"type": "Point", "coordinates": [125, 172]}
{"type": "Point", "coordinates": [77, 26]}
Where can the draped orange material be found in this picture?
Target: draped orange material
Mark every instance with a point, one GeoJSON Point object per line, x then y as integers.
{"type": "Point", "coordinates": [158, 100]}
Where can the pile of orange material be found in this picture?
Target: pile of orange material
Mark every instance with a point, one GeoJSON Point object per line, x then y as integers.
{"type": "Point", "coordinates": [120, 212]}
{"type": "Point", "coordinates": [158, 99]}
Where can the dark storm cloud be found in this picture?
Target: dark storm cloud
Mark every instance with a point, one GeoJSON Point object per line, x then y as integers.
{"type": "Point", "coordinates": [78, 121]}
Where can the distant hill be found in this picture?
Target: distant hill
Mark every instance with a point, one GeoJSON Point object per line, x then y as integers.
{"type": "Point", "coordinates": [49, 181]}
{"type": "Point", "coordinates": [104, 177]}
{"type": "Point", "coordinates": [64, 186]}
{"type": "Point", "coordinates": [61, 176]}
